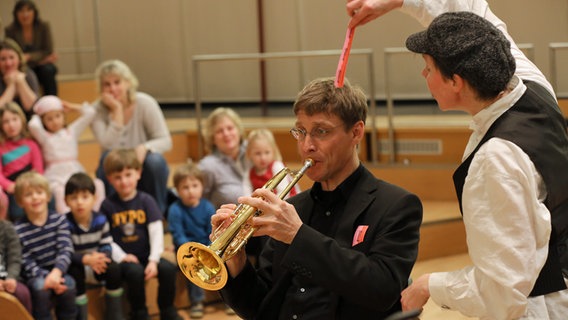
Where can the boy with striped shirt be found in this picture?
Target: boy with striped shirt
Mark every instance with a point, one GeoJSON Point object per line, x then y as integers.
{"type": "Point", "coordinates": [90, 233]}
{"type": "Point", "coordinates": [46, 249]}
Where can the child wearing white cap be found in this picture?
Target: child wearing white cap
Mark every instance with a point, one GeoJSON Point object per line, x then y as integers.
{"type": "Point", "coordinates": [60, 144]}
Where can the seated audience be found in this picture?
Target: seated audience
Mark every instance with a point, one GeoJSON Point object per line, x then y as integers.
{"type": "Point", "coordinates": [138, 234]}
{"type": "Point", "coordinates": [18, 151]}
{"type": "Point", "coordinates": [18, 83]}
{"type": "Point", "coordinates": [60, 144]}
{"type": "Point", "coordinates": [90, 233]}
{"type": "Point", "coordinates": [46, 250]}
{"type": "Point", "coordinates": [226, 164]}
{"type": "Point", "coordinates": [126, 118]}
{"type": "Point", "coordinates": [34, 37]}
{"type": "Point", "coordinates": [189, 220]}
{"type": "Point", "coordinates": [264, 155]}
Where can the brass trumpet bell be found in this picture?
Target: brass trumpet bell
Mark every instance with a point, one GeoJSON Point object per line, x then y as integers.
{"type": "Point", "coordinates": [205, 265]}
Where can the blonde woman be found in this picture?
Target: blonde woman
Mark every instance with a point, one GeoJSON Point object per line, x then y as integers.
{"type": "Point", "coordinates": [226, 165]}
{"type": "Point", "coordinates": [127, 118]}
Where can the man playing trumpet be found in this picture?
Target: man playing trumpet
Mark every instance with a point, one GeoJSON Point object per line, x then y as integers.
{"type": "Point", "coordinates": [343, 249]}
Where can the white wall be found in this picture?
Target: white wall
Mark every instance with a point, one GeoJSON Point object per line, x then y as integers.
{"type": "Point", "coordinates": [158, 39]}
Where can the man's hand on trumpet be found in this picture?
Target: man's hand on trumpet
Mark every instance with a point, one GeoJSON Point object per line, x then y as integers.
{"type": "Point", "coordinates": [279, 219]}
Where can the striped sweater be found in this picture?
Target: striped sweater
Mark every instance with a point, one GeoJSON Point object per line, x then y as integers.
{"type": "Point", "coordinates": [96, 238]}
{"type": "Point", "coordinates": [45, 247]}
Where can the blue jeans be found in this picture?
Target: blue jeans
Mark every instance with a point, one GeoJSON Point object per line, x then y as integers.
{"type": "Point", "coordinates": [196, 294]}
{"type": "Point", "coordinates": [41, 300]}
{"type": "Point", "coordinates": [154, 179]}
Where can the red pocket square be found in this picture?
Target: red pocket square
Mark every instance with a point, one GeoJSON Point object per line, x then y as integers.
{"type": "Point", "coordinates": [359, 235]}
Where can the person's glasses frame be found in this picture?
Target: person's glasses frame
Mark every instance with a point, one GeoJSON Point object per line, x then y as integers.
{"type": "Point", "coordinates": [317, 133]}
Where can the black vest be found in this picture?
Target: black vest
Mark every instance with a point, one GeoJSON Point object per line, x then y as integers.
{"type": "Point", "coordinates": [537, 126]}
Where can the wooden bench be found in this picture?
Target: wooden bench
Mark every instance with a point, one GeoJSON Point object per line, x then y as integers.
{"type": "Point", "coordinates": [12, 308]}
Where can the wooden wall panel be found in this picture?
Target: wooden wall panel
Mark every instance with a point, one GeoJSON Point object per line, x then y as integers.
{"type": "Point", "coordinates": [158, 38]}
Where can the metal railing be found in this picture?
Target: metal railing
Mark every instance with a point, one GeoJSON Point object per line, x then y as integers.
{"type": "Point", "coordinates": [553, 49]}
{"type": "Point", "coordinates": [199, 59]}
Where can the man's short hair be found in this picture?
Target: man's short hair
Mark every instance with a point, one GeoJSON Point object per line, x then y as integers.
{"type": "Point", "coordinates": [349, 103]}
{"type": "Point", "coordinates": [119, 159]}
{"type": "Point", "coordinates": [468, 45]}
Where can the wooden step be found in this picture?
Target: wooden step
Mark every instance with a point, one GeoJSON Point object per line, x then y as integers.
{"type": "Point", "coordinates": [442, 232]}
{"type": "Point", "coordinates": [77, 91]}
{"type": "Point", "coordinates": [563, 104]}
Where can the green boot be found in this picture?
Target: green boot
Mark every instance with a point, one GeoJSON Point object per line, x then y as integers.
{"type": "Point", "coordinates": [82, 307]}
{"type": "Point", "coordinates": [113, 305]}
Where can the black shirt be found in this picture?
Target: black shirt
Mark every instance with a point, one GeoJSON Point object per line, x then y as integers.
{"type": "Point", "coordinates": [305, 299]}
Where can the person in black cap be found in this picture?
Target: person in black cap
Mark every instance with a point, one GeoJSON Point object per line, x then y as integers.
{"type": "Point", "coordinates": [512, 182]}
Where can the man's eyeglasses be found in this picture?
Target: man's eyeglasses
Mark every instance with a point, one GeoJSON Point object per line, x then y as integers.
{"type": "Point", "coordinates": [316, 133]}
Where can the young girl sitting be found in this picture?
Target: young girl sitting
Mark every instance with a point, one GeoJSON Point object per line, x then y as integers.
{"type": "Point", "coordinates": [266, 160]}
{"type": "Point", "coordinates": [18, 151]}
{"type": "Point", "coordinates": [59, 144]}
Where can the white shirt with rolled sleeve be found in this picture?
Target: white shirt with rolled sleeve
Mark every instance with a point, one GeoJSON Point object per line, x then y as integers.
{"type": "Point", "coordinates": [507, 225]}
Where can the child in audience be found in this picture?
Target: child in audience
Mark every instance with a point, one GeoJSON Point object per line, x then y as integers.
{"type": "Point", "coordinates": [137, 230]}
{"type": "Point", "coordinates": [266, 161]}
{"type": "Point", "coordinates": [19, 153]}
{"type": "Point", "coordinates": [90, 233]}
{"type": "Point", "coordinates": [60, 144]}
{"type": "Point", "coordinates": [189, 219]}
{"type": "Point", "coordinates": [46, 249]}
{"type": "Point", "coordinates": [10, 264]}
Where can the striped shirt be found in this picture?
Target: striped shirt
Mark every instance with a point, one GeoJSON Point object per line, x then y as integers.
{"type": "Point", "coordinates": [96, 238]}
{"type": "Point", "coordinates": [45, 247]}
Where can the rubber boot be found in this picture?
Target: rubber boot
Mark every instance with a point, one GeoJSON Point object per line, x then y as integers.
{"type": "Point", "coordinates": [113, 305]}
{"type": "Point", "coordinates": [82, 307]}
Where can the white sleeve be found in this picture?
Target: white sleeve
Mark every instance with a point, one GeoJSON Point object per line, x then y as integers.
{"type": "Point", "coordinates": [156, 232]}
{"type": "Point", "coordinates": [37, 130]}
{"type": "Point", "coordinates": [503, 198]}
{"type": "Point", "coordinates": [80, 124]}
{"type": "Point", "coordinates": [117, 253]}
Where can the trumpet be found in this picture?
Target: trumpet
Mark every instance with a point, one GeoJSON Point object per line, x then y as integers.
{"type": "Point", "coordinates": [205, 265]}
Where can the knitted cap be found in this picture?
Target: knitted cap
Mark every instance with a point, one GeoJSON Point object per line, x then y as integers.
{"type": "Point", "coordinates": [46, 104]}
{"type": "Point", "coordinates": [468, 45]}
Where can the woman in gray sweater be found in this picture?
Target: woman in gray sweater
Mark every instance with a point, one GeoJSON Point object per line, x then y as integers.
{"type": "Point", "coordinates": [127, 118]}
